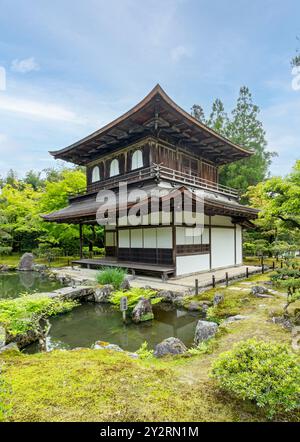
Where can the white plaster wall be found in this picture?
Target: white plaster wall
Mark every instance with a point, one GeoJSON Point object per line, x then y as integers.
{"type": "Point", "coordinates": [150, 241]}
{"type": "Point", "coordinates": [136, 238]}
{"type": "Point", "coordinates": [124, 238]}
{"type": "Point", "coordinates": [189, 235]}
{"type": "Point", "coordinates": [164, 238]}
{"type": "Point", "coordinates": [191, 264]}
{"type": "Point", "coordinates": [239, 242]}
{"type": "Point", "coordinates": [222, 247]}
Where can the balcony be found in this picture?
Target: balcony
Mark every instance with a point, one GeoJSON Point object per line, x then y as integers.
{"type": "Point", "coordinates": [158, 173]}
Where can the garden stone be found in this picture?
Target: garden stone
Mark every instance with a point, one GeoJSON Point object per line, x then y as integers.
{"type": "Point", "coordinates": [125, 285]}
{"type": "Point", "coordinates": [39, 267]}
{"type": "Point", "coordinates": [218, 298]}
{"type": "Point", "coordinates": [194, 306]}
{"type": "Point", "coordinates": [235, 318]}
{"type": "Point", "coordinates": [142, 311]}
{"type": "Point", "coordinates": [102, 294]}
{"type": "Point", "coordinates": [205, 330]}
{"type": "Point", "coordinates": [169, 346]}
{"type": "Point", "coordinates": [102, 345]}
{"type": "Point", "coordinates": [167, 295]}
{"type": "Point", "coordinates": [260, 292]}
{"type": "Point", "coordinates": [4, 268]}
{"type": "Point", "coordinates": [9, 347]}
{"type": "Point", "coordinates": [26, 262]}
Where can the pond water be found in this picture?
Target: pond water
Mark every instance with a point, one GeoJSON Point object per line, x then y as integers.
{"type": "Point", "coordinates": [88, 323]}
{"type": "Point", "coordinates": [12, 284]}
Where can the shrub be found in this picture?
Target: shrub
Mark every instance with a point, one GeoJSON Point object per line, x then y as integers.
{"type": "Point", "coordinates": [112, 275]}
{"type": "Point", "coordinates": [22, 314]}
{"type": "Point", "coordinates": [134, 295]}
{"type": "Point", "coordinates": [144, 352]}
{"type": "Point", "coordinates": [266, 373]}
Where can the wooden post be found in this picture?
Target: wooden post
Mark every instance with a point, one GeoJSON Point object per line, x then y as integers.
{"type": "Point", "coordinates": [227, 280]}
{"type": "Point", "coordinates": [281, 264]}
{"type": "Point", "coordinates": [247, 272]}
{"type": "Point", "coordinates": [196, 287]}
{"type": "Point", "coordinates": [262, 265]}
{"type": "Point", "coordinates": [273, 266]}
{"type": "Point", "coordinates": [213, 281]}
{"type": "Point", "coordinates": [80, 241]}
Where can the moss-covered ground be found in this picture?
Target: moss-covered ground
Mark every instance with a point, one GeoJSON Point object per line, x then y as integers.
{"type": "Point", "coordinates": [90, 385]}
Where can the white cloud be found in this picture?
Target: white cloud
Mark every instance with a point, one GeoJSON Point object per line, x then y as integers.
{"type": "Point", "coordinates": [25, 65]}
{"type": "Point", "coordinates": [39, 110]}
{"type": "Point", "coordinates": [178, 52]}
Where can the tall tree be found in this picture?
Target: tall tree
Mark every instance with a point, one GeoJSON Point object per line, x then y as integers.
{"type": "Point", "coordinates": [218, 119]}
{"type": "Point", "coordinates": [245, 129]}
{"type": "Point", "coordinates": [198, 113]}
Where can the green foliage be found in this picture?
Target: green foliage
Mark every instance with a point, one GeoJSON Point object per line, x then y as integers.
{"type": "Point", "coordinates": [134, 295]}
{"type": "Point", "coordinates": [266, 373]}
{"type": "Point", "coordinates": [4, 390]}
{"type": "Point", "coordinates": [112, 275]}
{"type": "Point", "coordinates": [144, 352]}
{"type": "Point", "coordinates": [243, 128]}
{"type": "Point", "coordinates": [203, 348]}
{"type": "Point", "coordinates": [19, 315]}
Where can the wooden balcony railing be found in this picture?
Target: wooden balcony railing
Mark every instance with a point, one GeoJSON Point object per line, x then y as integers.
{"type": "Point", "coordinates": [157, 172]}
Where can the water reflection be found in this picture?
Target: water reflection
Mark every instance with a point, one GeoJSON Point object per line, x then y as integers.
{"type": "Point", "coordinates": [12, 284]}
{"type": "Point", "coordinates": [91, 322]}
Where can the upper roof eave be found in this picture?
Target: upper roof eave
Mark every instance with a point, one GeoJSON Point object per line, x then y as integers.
{"type": "Point", "coordinates": [156, 90]}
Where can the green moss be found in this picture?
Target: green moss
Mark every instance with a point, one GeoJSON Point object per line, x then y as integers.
{"type": "Point", "coordinates": [147, 317]}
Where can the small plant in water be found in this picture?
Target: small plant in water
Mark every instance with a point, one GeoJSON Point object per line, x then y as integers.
{"type": "Point", "coordinates": [112, 275]}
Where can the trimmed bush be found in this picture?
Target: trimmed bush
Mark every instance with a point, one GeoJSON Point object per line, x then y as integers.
{"type": "Point", "coordinates": [265, 373]}
{"type": "Point", "coordinates": [112, 275]}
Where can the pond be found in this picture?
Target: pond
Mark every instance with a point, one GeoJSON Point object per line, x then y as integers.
{"type": "Point", "coordinates": [88, 323]}
{"type": "Point", "coordinates": [12, 284]}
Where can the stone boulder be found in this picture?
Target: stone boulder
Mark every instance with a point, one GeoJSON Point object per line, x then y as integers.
{"type": "Point", "coordinates": [169, 346]}
{"type": "Point", "coordinates": [142, 311]}
{"type": "Point", "coordinates": [235, 318]}
{"type": "Point", "coordinates": [102, 345]}
{"type": "Point", "coordinates": [102, 294]}
{"type": "Point", "coordinates": [26, 262]}
{"type": "Point", "coordinates": [205, 330]}
{"type": "Point", "coordinates": [40, 268]}
{"type": "Point", "coordinates": [194, 306]}
{"type": "Point", "coordinates": [167, 295]}
{"type": "Point", "coordinates": [260, 292]}
{"type": "Point", "coordinates": [218, 298]}
{"type": "Point", "coordinates": [125, 285]}
{"type": "Point", "coordinates": [9, 347]}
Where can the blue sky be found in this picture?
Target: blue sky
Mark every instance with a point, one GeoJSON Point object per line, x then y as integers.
{"type": "Point", "coordinates": [73, 66]}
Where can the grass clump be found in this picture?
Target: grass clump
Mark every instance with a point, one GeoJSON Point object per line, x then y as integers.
{"type": "Point", "coordinates": [144, 352]}
{"type": "Point", "coordinates": [134, 295]}
{"type": "Point", "coordinates": [266, 373]}
{"type": "Point", "coordinates": [20, 315]}
{"type": "Point", "coordinates": [113, 276]}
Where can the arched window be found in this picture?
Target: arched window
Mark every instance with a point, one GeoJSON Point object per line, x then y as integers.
{"type": "Point", "coordinates": [114, 168]}
{"type": "Point", "coordinates": [96, 174]}
{"type": "Point", "coordinates": [137, 160]}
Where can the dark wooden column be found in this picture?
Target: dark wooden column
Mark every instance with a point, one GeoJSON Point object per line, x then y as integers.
{"type": "Point", "coordinates": [80, 241]}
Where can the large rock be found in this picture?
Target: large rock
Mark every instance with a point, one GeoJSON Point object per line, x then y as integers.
{"type": "Point", "coordinates": [169, 346]}
{"type": "Point", "coordinates": [26, 262]}
{"type": "Point", "coordinates": [142, 311]}
{"type": "Point", "coordinates": [260, 292]}
{"type": "Point", "coordinates": [167, 295]}
{"type": "Point", "coordinates": [40, 268]}
{"type": "Point", "coordinates": [205, 330]}
{"type": "Point", "coordinates": [102, 345]}
{"type": "Point", "coordinates": [102, 294]}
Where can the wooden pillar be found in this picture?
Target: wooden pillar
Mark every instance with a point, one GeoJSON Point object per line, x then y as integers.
{"type": "Point", "coordinates": [80, 241]}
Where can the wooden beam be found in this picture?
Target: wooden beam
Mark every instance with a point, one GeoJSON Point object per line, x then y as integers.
{"type": "Point", "coordinates": [80, 241]}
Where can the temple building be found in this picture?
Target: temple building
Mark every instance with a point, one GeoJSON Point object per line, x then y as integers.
{"type": "Point", "coordinates": [158, 146]}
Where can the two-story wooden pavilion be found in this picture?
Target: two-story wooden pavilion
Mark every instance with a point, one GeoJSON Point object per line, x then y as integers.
{"type": "Point", "coordinates": [157, 144]}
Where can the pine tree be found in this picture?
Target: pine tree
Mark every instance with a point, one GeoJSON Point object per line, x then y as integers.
{"type": "Point", "coordinates": [198, 113]}
{"type": "Point", "coordinates": [246, 130]}
{"type": "Point", "coordinates": [218, 119]}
